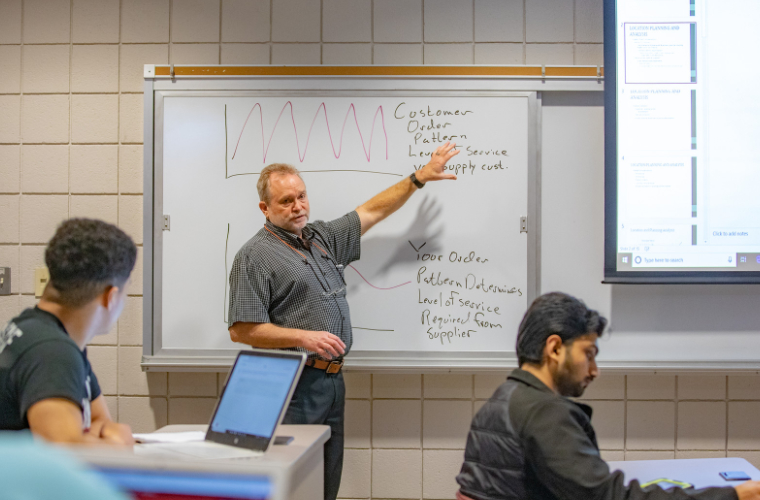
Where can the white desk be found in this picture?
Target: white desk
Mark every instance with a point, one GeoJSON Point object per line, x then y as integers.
{"type": "Point", "coordinates": [701, 472]}
{"type": "Point", "coordinates": [296, 468]}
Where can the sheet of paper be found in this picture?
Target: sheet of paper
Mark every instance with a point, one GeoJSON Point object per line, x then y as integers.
{"type": "Point", "coordinates": [200, 450]}
{"type": "Point", "coordinates": [170, 437]}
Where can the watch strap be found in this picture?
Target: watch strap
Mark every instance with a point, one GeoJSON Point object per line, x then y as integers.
{"type": "Point", "coordinates": [416, 181]}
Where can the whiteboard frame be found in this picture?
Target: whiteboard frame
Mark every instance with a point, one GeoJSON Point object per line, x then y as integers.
{"type": "Point", "coordinates": [157, 358]}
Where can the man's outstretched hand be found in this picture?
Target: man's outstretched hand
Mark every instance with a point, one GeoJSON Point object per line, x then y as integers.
{"type": "Point", "coordinates": [382, 205]}
{"type": "Point", "coordinates": [434, 170]}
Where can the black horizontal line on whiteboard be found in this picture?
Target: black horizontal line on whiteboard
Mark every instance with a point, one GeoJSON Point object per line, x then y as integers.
{"type": "Point", "coordinates": [319, 171]}
{"type": "Point", "coordinates": [373, 329]}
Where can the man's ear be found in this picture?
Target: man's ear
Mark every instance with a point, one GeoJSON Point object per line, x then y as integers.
{"type": "Point", "coordinates": [111, 296]}
{"type": "Point", "coordinates": [553, 347]}
{"type": "Point", "coordinates": [264, 209]}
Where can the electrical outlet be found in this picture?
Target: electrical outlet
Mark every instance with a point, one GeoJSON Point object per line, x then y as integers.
{"type": "Point", "coordinates": [41, 278]}
{"type": "Point", "coordinates": [5, 280]}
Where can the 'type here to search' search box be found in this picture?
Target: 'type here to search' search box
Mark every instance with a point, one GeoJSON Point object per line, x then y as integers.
{"type": "Point", "coordinates": [681, 260]}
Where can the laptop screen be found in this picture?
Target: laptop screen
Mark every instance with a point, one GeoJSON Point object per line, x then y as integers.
{"type": "Point", "coordinates": [257, 390]}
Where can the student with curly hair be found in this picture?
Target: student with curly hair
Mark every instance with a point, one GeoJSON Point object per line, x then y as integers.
{"type": "Point", "coordinates": [46, 382]}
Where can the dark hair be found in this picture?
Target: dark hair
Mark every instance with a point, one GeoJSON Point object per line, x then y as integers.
{"type": "Point", "coordinates": [86, 255]}
{"type": "Point", "coordinates": [554, 314]}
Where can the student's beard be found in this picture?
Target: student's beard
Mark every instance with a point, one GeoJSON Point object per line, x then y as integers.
{"type": "Point", "coordinates": [566, 383]}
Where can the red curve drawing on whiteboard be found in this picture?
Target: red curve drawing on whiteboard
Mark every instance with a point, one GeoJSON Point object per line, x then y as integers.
{"type": "Point", "coordinates": [373, 286]}
{"type": "Point", "coordinates": [323, 107]}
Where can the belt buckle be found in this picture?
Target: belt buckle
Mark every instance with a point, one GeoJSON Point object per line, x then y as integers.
{"type": "Point", "coordinates": [334, 367]}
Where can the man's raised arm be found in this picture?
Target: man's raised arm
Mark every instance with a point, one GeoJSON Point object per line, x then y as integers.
{"type": "Point", "coordinates": [393, 198]}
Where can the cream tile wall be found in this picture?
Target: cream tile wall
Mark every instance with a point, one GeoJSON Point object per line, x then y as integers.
{"type": "Point", "coordinates": [71, 145]}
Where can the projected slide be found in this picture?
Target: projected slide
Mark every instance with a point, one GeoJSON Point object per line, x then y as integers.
{"type": "Point", "coordinates": [660, 53]}
{"type": "Point", "coordinates": [687, 135]}
{"type": "Point", "coordinates": [659, 117]}
{"type": "Point", "coordinates": [657, 189]}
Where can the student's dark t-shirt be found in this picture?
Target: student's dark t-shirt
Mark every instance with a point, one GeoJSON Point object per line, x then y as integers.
{"type": "Point", "coordinates": [38, 360]}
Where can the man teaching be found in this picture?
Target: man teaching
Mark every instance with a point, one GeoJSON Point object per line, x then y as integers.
{"type": "Point", "coordinates": [287, 289]}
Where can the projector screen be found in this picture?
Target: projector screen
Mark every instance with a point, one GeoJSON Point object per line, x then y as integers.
{"type": "Point", "coordinates": [682, 145]}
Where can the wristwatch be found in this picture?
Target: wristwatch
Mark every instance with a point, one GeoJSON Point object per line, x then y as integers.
{"type": "Point", "coordinates": [416, 181]}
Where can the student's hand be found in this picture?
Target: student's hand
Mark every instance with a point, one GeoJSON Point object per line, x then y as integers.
{"type": "Point", "coordinates": [749, 490]}
{"type": "Point", "coordinates": [120, 434]}
{"type": "Point", "coordinates": [325, 344]}
{"type": "Point", "coordinates": [434, 170]}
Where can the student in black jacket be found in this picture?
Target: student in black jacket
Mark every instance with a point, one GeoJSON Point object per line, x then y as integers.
{"type": "Point", "coordinates": [530, 441]}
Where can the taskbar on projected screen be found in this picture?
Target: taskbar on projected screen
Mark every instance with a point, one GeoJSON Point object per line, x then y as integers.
{"type": "Point", "coordinates": [673, 262]}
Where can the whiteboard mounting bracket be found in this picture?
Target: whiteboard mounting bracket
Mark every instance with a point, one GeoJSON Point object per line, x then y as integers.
{"type": "Point", "coordinates": [167, 223]}
{"type": "Point", "coordinates": [523, 224]}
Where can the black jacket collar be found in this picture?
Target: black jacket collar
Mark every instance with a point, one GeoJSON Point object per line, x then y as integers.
{"type": "Point", "coordinates": [528, 378]}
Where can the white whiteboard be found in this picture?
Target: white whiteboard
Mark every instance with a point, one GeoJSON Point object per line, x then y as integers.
{"type": "Point", "coordinates": [442, 282]}
{"type": "Point", "coordinates": [683, 328]}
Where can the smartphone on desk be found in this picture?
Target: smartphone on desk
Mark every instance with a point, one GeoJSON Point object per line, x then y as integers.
{"type": "Point", "coordinates": [734, 475]}
{"type": "Point", "coordinates": [282, 440]}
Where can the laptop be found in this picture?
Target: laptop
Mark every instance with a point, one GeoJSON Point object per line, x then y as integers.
{"type": "Point", "coordinates": [252, 405]}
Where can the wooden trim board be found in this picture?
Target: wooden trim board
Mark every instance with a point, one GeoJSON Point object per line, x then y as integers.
{"type": "Point", "coordinates": [507, 71]}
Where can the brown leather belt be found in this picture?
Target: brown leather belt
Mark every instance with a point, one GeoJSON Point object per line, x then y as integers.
{"type": "Point", "coordinates": [328, 366]}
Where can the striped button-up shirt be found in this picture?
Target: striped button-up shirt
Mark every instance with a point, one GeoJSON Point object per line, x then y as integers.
{"type": "Point", "coordinates": [295, 286]}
